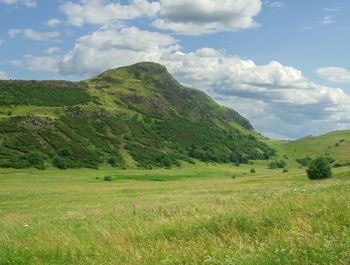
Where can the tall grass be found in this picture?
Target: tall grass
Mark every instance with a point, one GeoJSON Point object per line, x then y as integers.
{"type": "Point", "coordinates": [267, 218]}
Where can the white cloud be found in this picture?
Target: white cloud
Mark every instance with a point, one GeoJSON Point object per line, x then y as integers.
{"type": "Point", "coordinates": [101, 13]}
{"type": "Point", "coordinates": [27, 3]}
{"type": "Point", "coordinates": [108, 48]}
{"type": "Point", "coordinates": [52, 50]}
{"type": "Point", "coordinates": [30, 3]}
{"type": "Point", "coordinates": [54, 22]}
{"type": "Point", "coordinates": [327, 20]}
{"type": "Point", "coordinates": [14, 32]}
{"type": "Point", "coordinates": [206, 16]}
{"type": "Point", "coordinates": [181, 16]}
{"type": "Point", "coordinates": [4, 76]}
{"type": "Point", "coordinates": [275, 4]}
{"type": "Point", "coordinates": [34, 35]}
{"type": "Point", "coordinates": [17, 63]}
{"type": "Point", "coordinates": [8, 2]}
{"type": "Point", "coordinates": [334, 74]}
{"type": "Point", "coordinates": [331, 9]}
{"type": "Point", "coordinates": [276, 98]}
{"type": "Point", "coordinates": [42, 63]}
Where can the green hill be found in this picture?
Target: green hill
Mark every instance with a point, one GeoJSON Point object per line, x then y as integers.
{"type": "Point", "coordinates": [335, 144]}
{"type": "Point", "coordinates": [131, 116]}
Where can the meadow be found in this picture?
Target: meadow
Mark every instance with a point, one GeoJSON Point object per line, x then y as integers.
{"type": "Point", "coordinates": [198, 214]}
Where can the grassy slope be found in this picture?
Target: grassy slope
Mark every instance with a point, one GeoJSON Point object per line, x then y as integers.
{"type": "Point", "coordinates": [200, 215]}
{"type": "Point", "coordinates": [336, 144]}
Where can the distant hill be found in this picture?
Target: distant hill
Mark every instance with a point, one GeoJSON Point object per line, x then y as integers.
{"type": "Point", "coordinates": [335, 144]}
{"type": "Point", "coordinates": [131, 116]}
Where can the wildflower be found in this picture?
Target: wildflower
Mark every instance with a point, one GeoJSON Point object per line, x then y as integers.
{"type": "Point", "coordinates": [133, 207]}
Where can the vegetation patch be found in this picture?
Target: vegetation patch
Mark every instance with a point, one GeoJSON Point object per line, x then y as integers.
{"type": "Point", "coordinates": [43, 93]}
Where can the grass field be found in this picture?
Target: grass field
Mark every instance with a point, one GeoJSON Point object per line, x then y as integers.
{"type": "Point", "coordinates": [194, 215]}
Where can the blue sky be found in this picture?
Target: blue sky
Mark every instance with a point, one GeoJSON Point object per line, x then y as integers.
{"type": "Point", "coordinates": [282, 64]}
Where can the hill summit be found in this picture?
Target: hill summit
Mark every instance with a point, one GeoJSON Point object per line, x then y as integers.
{"type": "Point", "coordinates": [137, 115]}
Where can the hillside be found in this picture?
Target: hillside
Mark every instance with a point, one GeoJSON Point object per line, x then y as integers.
{"type": "Point", "coordinates": [131, 116]}
{"type": "Point", "coordinates": [334, 144]}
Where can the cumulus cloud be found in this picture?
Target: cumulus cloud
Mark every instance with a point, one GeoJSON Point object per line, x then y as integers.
{"type": "Point", "coordinates": [327, 20]}
{"type": "Point", "coordinates": [53, 22]}
{"type": "Point", "coordinates": [206, 16]}
{"type": "Point", "coordinates": [42, 63]}
{"type": "Point", "coordinates": [278, 99]}
{"type": "Point", "coordinates": [27, 3]}
{"type": "Point", "coordinates": [4, 76]}
{"type": "Point", "coordinates": [52, 50]}
{"type": "Point", "coordinates": [108, 48]}
{"type": "Point", "coordinates": [334, 74]}
{"type": "Point", "coordinates": [101, 13]}
{"type": "Point", "coordinates": [34, 35]}
{"type": "Point", "coordinates": [181, 16]}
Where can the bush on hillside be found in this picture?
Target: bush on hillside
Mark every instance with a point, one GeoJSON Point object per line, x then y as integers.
{"type": "Point", "coordinates": [277, 164]}
{"type": "Point", "coordinates": [112, 161]}
{"type": "Point", "coordinates": [272, 165]}
{"type": "Point", "coordinates": [253, 171]}
{"type": "Point", "coordinates": [64, 152]}
{"type": "Point", "coordinates": [59, 163]}
{"type": "Point", "coordinates": [107, 178]}
{"type": "Point", "coordinates": [319, 168]}
{"type": "Point", "coordinates": [281, 163]}
{"type": "Point", "coordinates": [304, 161]}
{"type": "Point", "coordinates": [36, 159]}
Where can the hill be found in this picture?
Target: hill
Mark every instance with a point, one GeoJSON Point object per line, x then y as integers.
{"type": "Point", "coordinates": [131, 116]}
{"type": "Point", "coordinates": [335, 145]}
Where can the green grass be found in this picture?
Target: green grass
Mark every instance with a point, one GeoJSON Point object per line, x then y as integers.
{"type": "Point", "coordinates": [193, 215]}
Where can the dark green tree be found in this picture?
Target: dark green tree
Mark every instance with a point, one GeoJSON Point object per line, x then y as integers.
{"type": "Point", "coordinates": [319, 168]}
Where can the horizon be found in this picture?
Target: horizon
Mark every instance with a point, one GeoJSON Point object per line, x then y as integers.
{"type": "Point", "coordinates": [281, 64]}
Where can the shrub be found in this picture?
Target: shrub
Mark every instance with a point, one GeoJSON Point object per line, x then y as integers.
{"type": "Point", "coordinates": [112, 161]}
{"type": "Point", "coordinates": [304, 161]}
{"type": "Point", "coordinates": [319, 168]}
{"type": "Point", "coordinates": [281, 163]}
{"type": "Point", "coordinates": [277, 164]}
{"type": "Point", "coordinates": [285, 170]}
{"type": "Point", "coordinates": [253, 171]}
{"type": "Point", "coordinates": [59, 163]}
{"type": "Point", "coordinates": [36, 160]}
{"type": "Point", "coordinates": [107, 178]}
{"type": "Point", "coordinates": [272, 165]}
{"type": "Point", "coordinates": [64, 152]}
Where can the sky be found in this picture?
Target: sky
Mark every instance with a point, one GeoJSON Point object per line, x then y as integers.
{"type": "Point", "coordinates": [283, 64]}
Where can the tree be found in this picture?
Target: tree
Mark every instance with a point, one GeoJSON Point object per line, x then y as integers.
{"type": "Point", "coordinates": [319, 168]}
